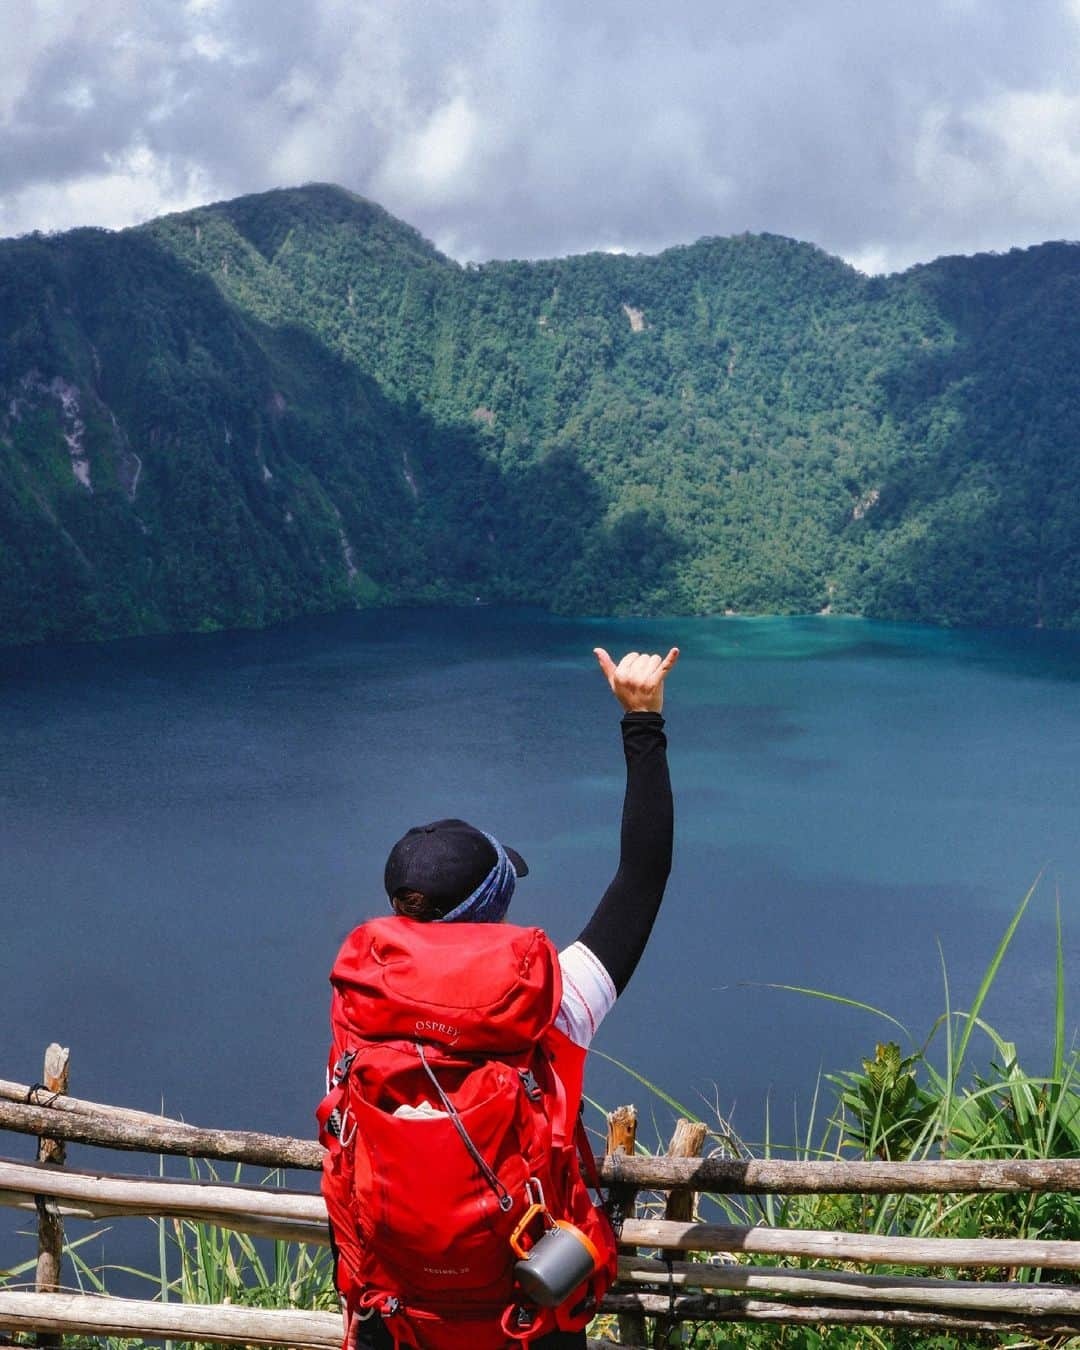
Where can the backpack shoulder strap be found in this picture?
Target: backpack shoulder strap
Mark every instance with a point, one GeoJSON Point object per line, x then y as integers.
{"type": "Point", "coordinates": [587, 1156]}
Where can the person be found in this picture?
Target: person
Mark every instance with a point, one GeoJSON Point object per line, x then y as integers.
{"type": "Point", "coordinates": [448, 871]}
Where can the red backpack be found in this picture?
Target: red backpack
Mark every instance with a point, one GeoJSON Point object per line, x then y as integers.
{"type": "Point", "coordinates": [458, 1021]}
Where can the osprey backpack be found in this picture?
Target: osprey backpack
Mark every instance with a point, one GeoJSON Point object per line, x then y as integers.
{"type": "Point", "coordinates": [452, 1130]}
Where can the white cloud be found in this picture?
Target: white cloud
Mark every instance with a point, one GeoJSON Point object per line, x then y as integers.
{"type": "Point", "coordinates": [135, 187]}
{"type": "Point", "coordinates": [78, 96]}
{"type": "Point", "coordinates": [208, 46]}
{"type": "Point", "coordinates": [884, 133]}
{"type": "Point", "coordinates": [872, 261]}
{"type": "Point", "coordinates": [1038, 135]}
{"type": "Point", "coordinates": [25, 40]}
{"type": "Point", "coordinates": [1002, 171]}
{"type": "Point", "coordinates": [436, 163]}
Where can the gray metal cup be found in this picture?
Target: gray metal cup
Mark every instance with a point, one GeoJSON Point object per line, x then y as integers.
{"type": "Point", "coordinates": [555, 1266]}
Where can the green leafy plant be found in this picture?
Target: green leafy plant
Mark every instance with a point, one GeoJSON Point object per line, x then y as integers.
{"type": "Point", "coordinates": [884, 1106]}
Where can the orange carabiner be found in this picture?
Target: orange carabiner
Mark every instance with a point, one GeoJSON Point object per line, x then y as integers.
{"type": "Point", "coordinates": [528, 1217]}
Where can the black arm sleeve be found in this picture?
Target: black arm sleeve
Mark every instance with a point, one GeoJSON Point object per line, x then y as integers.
{"type": "Point", "coordinates": [619, 929]}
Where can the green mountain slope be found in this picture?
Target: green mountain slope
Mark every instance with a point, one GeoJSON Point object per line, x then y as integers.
{"type": "Point", "coordinates": [293, 402]}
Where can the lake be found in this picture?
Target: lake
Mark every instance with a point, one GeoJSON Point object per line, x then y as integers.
{"type": "Point", "coordinates": [191, 825]}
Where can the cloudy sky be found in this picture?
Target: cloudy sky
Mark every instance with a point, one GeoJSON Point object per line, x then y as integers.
{"type": "Point", "coordinates": [888, 131]}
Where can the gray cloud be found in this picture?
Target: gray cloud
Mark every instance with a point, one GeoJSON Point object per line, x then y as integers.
{"type": "Point", "coordinates": [529, 128]}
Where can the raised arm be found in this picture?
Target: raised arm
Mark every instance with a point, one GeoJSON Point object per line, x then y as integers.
{"type": "Point", "coordinates": [619, 929]}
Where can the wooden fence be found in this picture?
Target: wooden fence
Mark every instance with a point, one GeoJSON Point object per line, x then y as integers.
{"type": "Point", "coordinates": [717, 1286]}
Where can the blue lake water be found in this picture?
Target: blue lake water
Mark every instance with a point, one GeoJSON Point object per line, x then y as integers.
{"type": "Point", "coordinates": [191, 825]}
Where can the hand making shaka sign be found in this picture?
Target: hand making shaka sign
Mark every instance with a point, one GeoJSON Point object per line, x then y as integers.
{"type": "Point", "coordinates": [638, 680]}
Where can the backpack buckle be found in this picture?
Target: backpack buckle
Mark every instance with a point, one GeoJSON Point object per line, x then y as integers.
{"type": "Point", "coordinates": [341, 1068]}
{"type": "Point", "coordinates": [531, 1086]}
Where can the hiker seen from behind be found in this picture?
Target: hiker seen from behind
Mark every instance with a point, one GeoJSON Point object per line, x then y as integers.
{"type": "Point", "coordinates": [458, 1177]}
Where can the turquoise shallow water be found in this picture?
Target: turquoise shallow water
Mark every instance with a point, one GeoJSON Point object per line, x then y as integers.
{"type": "Point", "coordinates": [191, 825]}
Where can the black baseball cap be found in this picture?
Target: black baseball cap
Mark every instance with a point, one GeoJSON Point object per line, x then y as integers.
{"type": "Point", "coordinates": [445, 861]}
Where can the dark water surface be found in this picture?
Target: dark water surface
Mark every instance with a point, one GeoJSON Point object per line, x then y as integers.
{"type": "Point", "coordinates": [190, 826]}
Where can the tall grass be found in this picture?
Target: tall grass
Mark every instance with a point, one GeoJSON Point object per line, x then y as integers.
{"type": "Point", "coordinates": [201, 1263]}
{"type": "Point", "coordinates": [915, 1104]}
{"type": "Point", "coordinates": [932, 1098]}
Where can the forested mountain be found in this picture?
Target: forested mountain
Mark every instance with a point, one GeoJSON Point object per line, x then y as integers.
{"type": "Point", "coordinates": [292, 402]}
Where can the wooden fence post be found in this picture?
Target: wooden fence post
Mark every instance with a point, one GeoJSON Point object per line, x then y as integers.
{"type": "Point", "coordinates": [622, 1138]}
{"type": "Point", "coordinates": [50, 1223]}
{"type": "Point", "coordinates": [687, 1142]}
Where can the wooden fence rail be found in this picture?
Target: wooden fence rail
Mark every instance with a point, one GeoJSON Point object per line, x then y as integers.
{"type": "Point", "coordinates": [299, 1216]}
{"type": "Point", "coordinates": [91, 1314]}
{"type": "Point", "coordinates": [92, 1123]}
{"type": "Point", "coordinates": [88, 1314]}
{"type": "Point", "coordinates": [109, 1127]}
{"type": "Point", "coordinates": [718, 1287]}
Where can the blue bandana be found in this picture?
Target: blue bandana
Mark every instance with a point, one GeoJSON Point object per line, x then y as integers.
{"type": "Point", "coordinates": [491, 899]}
